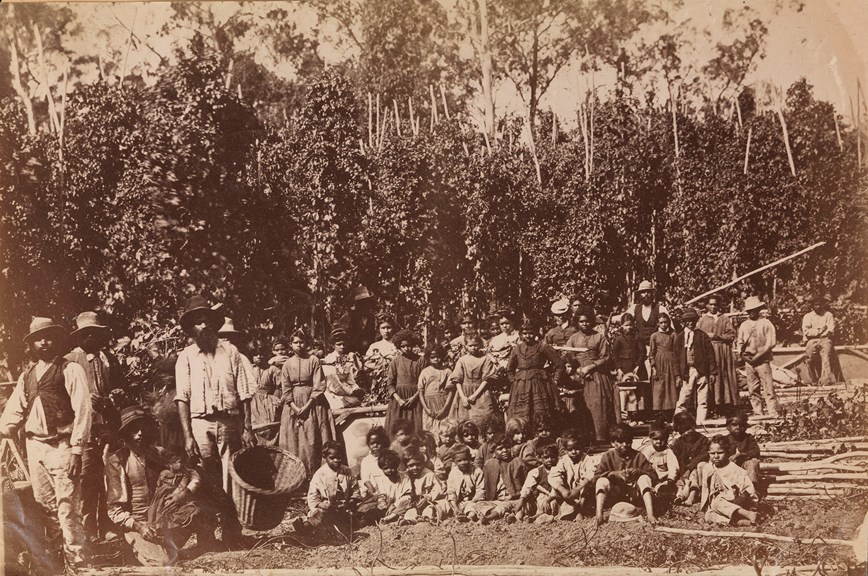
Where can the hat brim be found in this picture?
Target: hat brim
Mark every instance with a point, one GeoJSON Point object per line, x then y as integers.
{"type": "Point", "coordinates": [690, 317]}
{"type": "Point", "coordinates": [56, 328]}
{"type": "Point", "coordinates": [213, 317]}
{"type": "Point", "coordinates": [80, 332]}
{"type": "Point", "coordinates": [619, 518]}
{"type": "Point", "coordinates": [138, 418]}
{"type": "Point", "coordinates": [759, 306]}
{"type": "Point", "coordinates": [229, 332]}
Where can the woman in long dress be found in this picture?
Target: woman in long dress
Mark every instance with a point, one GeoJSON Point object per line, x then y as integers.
{"type": "Point", "coordinates": [500, 347]}
{"type": "Point", "coordinates": [435, 390]}
{"type": "Point", "coordinates": [723, 396]}
{"type": "Point", "coordinates": [306, 422]}
{"type": "Point", "coordinates": [665, 375]}
{"type": "Point", "coordinates": [600, 394]}
{"type": "Point", "coordinates": [471, 377]}
{"type": "Point", "coordinates": [403, 383]}
{"type": "Point", "coordinates": [534, 393]}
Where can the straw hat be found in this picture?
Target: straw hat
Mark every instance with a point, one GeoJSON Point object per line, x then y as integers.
{"type": "Point", "coordinates": [42, 327]}
{"type": "Point", "coordinates": [361, 293]}
{"type": "Point", "coordinates": [197, 304]}
{"type": "Point", "coordinates": [228, 327]}
{"type": "Point", "coordinates": [624, 512]}
{"type": "Point", "coordinates": [753, 303]}
{"type": "Point", "coordinates": [560, 306]}
{"type": "Point", "coordinates": [86, 323]}
{"type": "Point", "coordinates": [645, 286]}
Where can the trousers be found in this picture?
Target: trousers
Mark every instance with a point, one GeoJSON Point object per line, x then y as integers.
{"type": "Point", "coordinates": [219, 437]}
{"type": "Point", "coordinates": [697, 386]}
{"type": "Point", "coordinates": [761, 375]}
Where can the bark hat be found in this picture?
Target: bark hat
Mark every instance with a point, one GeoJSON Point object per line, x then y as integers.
{"type": "Point", "coordinates": [753, 303]}
{"type": "Point", "coordinates": [645, 286]}
{"type": "Point", "coordinates": [86, 323]}
{"type": "Point", "coordinates": [196, 305]}
{"type": "Point", "coordinates": [42, 327]}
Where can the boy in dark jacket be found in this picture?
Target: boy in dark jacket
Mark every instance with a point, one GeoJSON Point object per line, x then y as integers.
{"type": "Point", "coordinates": [742, 447]}
{"type": "Point", "coordinates": [696, 365]}
{"type": "Point", "coordinates": [624, 475]}
{"type": "Point", "coordinates": [502, 479]}
{"type": "Point", "coordinates": [690, 449]}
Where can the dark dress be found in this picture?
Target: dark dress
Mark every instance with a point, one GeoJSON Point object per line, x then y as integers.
{"type": "Point", "coordinates": [664, 368]}
{"type": "Point", "coordinates": [534, 394]}
{"type": "Point", "coordinates": [724, 392]}
{"type": "Point", "coordinates": [601, 397]}
{"type": "Point", "coordinates": [404, 380]}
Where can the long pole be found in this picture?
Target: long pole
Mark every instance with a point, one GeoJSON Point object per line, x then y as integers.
{"type": "Point", "coordinates": [752, 272]}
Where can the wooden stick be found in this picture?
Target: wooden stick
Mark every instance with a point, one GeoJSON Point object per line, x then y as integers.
{"type": "Point", "coordinates": [397, 117]}
{"type": "Point", "coordinates": [433, 107]}
{"type": "Point", "coordinates": [780, 111]}
{"type": "Point", "coordinates": [830, 462]}
{"type": "Point", "coordinates": [370, 121]}
{"type": "Point", "coordinates": [835, 441]}
{"type": "Point", "coordinates": [747, 148]}
{"type": "Point", "coordinates": [752, 272]}
{"type": "Point", "coordinates": [554, 129]}
{"type": "Point", "coordinates": [377, 135]}
{"type": "Point", "coordinates": [779, 497]}
{"type": "Point", "coordinates": [52, 110]}
{"type": "Point", "coordinates": [838, 130]}
{"type": "Point", "coordinates": [738, 111]}
{"type": "Point", "coordinates": [857, 476]}
{"type": "Point", "coordinates": [755, 535]}
{"type": "Point", "coordinates": [445, 105]}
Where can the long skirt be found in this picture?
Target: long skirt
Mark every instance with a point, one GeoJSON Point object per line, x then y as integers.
{"type": "Point", "coordinates": [483, 409]}
{"type": "Point", "coordinates": [412, 415]}
{"type": "Point", "coordinates": [305, 437]}
{"type": "Point", "coordinates": [664, 386]}
{"type": "Point", "coordinates": [533, 397]}
{"type": "Point", "coordinates": [725, 389]}
{"type": "Point", "coordinates": [603, 404]}
{"type": "Point", "coordinates": [436, 403]}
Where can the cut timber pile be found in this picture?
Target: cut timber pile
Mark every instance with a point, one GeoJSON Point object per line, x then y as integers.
{"type": "Point", "coordinates": [818, 475]}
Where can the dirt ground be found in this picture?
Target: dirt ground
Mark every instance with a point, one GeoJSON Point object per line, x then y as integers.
{"type": "Point", "coordinates": [562, 543]}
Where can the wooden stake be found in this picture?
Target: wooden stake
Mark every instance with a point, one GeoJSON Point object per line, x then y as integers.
{"type": "Point", "coordinates": [738, 111]}
{"type": "Point", "coordinates": [754, 535]}
{"type": "Point", "coordinates": [824, 441]}
{"type": "Point", "coordinates": [370, 121]}
{"type": "Point", "coordinates": [397, 118]}
{"type": "Point", "coordinates": [554, 129]}
{"type": "Point", "coordinates": [860, 476]}
{"type": "Point", "coordinates": [858, 113]}
{"type": "Point", "coordinates": [377, 135]}
{"type": "Point", "coordinates": [433, 108]}
{"type": "Point", "coordinates": [63, 110]}
{"type": "Point", "coordinates": [780, 111]}
{"type": "Point", "coordinates": [672, 106]}
{"type": "Point", "coordinates": [414, 126]}
{"type": "Point", "coordinates": [445, 105]}
{"type": "Point", "coordinates": [747, 150]}
{"type": "Point", "coordinates": [838, 130]}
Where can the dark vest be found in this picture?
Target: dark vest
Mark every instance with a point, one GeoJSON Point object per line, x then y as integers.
{"type": "Point", "coordinates": [645, 328]}
{"type": "Point", "coordinates": [51, 389]}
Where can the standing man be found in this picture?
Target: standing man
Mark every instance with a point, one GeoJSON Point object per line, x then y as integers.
{"type": "Point", "coordinates": [213, 398]}
{"type": "Point", "coordinates": [52, 401]}
{"type": "Point", "coordinates": [696, 364]}
{"type": "Point", "coordinates": [723, 390]}
{"type": "Point", "coordinates": [756, 338]}
{"type": "Point", "coordinates": [104, 374]}
{"type": "Point", "coordinates": [818, 326]}
{"type": "Point", "coordinates": [646, 312]}
{"type": "Point", "coordinates": [359, 322]}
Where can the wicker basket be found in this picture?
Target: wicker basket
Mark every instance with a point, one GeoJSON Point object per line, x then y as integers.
{"type": "Point", "coordinates": [263, 478]}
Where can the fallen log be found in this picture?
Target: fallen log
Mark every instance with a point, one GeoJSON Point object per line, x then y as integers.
{"type": "Point", "coordinates": [821, 441]}
{"type": "Point", "coordinates": [787, 491]}
{"type": "Point", "coordinates": [780, 497]}
{"type": "Point", "coordinates": [834, 476]}
{"type": "Point", "coordinates": [832, 462]}
{"type": "Point", "coordinates": [754, 535]}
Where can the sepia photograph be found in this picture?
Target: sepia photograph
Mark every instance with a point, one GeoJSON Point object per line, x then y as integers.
{"type": "Point", "coordinates": [434, 287]}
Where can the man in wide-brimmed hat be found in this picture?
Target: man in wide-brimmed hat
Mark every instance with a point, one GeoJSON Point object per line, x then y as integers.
{"type": "Point", "coordinates": [52, 401]}
{"type": "Point", "coordinates": [697, 365]}
{"type": "Point", "coordinates": [157, 518]}
{"type": "Point", "coordinates": [213, 395]}
{"type": "Point", "coordinates": [104, 374]}
{"type": "Point", "coordinates": [360, 320]}
{"type": "Point", "coordinates": [755, 340]}
{"type": "Point", "coordinates": [818, 326]}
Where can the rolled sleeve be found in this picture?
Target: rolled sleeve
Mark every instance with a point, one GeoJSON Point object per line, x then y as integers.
{"type": "Point", "coordinates": [183, 384]}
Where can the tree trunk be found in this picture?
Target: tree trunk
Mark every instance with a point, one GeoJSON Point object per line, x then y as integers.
{"type": "Point", "coordinates": [485, 65]}
{"type": "Point", "coordinates": [15, 67]}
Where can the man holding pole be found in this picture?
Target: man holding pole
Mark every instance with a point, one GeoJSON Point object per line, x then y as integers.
{"type": "Point", "coordinates": [756, 338]}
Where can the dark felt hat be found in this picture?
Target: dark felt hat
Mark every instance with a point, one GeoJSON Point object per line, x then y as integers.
{"type": "Point", "coordinates": [196, 304]}
{"type": "Point", "coordinates": [689, 314]}
{"type": "Point", "coordinates": [132, 414]}
{"type": "Point", "coordinates": [42, 327]}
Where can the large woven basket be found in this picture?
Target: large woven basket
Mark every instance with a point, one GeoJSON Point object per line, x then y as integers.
{"type": "Point", "coordinates": [263, 478]}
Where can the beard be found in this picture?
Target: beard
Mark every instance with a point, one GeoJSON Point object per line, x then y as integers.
{"type": "Point", "coordinates": [206, 339]}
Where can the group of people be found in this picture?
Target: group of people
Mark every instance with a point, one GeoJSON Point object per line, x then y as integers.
{"type": "Point", "coordinates": [101, 470]}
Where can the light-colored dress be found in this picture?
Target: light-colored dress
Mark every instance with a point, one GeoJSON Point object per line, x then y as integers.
{"type": "Point", "coordinates": [434, 387]}
{"type": "Point", "coordinates": [470, 371]}
{"type": "Point", "coordinates": [301, 378]}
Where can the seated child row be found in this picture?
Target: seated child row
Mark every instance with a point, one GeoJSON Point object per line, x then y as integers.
{"type": "Point", "coordinates": [538, 480]}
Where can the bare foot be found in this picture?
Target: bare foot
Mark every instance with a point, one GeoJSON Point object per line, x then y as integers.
{"type": "Point", "coordinates": [691, 499]}
{"type": "Point", "coordinates": [744, 522]}
{"type": "Point", "coordinates": [652, 520]}
{"type": "Point", "coordinates": [599, 520]}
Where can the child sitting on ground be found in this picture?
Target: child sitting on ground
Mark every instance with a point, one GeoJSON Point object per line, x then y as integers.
{"type": "Point", "coordinates": [423, 487]}
{"type": "Point", "coordinates": [333, 493]}
{"type": "Point", "coordinates": [728, 495]}
{"type": "Point", "coordinates": [690, 448]}
{"type": "Point", "coordinates": [662, 458]}
{"type": "Point", "coordinates": [464, 486]}
{"type": "Point", "coordinates": [538, 498]}
{"type": "Point", "coordinates": [392, 501]}
{"type": "Point", "coordinates": [490, 427]}
{"type": "Point", "coordinates": [468, 434]}
{"type": "Point", "coordinates": [742, 447]}
{"type": "Point", "coordinates": [530, 450]}
{"type": "Point", "coordinates": [624, 475]}
{"type": "Point", "coordinates": [402, 436]}
{"type": "Point", "coordinates": [377, 441]}
{"type": "Point", "coordinates": [502, 478]}
{"type": "Point", "coordinates": [516, 433]}
{"type": "Point", "coordinates": [572, 477]}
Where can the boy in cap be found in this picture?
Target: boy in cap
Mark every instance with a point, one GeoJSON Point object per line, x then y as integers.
{"type": "Point", "coordinates": [559, 335]}
{"type": "Point", "coordinates": [104, 375]}
{"type": "Point", "coordinates": [52, 401]}
{"type": "Point", "coordinates": [756, 338]}
{"type": "Point", "coordinates": [696, 364]}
